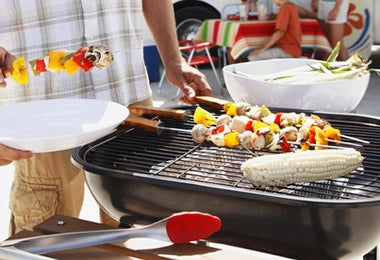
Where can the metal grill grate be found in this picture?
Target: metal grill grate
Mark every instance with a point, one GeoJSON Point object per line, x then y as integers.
{"type": "Point", "coordinates": [175, 157]}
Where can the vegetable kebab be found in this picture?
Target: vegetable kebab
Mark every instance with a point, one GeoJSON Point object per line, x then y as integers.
{"type": "Point", "coordinates": [84, 58]}
{"type": "Point", "coordinates": [257, 128]}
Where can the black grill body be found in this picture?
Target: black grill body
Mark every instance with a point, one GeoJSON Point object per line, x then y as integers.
{"type": "Point", "coordinates": [140, 177]}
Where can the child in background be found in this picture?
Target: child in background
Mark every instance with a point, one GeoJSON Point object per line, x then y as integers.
{"type": "Point", "coordinates": [286, 40]}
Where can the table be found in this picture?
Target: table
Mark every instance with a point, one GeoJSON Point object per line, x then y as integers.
{"type": "Point", "coordinates": [136, 248]}
{"type": "Point", "coordinates": [242, 36]}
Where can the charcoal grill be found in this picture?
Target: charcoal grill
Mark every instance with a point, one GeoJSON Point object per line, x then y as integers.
{"type": "Point", "coordinates": [140, 177]}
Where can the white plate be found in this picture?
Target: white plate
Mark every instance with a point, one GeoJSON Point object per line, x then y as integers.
{"type": "Point", "coordinates": [54, 125]}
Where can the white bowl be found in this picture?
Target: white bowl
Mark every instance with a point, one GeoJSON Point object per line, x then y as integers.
{"type": "Point", "coordinates": [334, 96]}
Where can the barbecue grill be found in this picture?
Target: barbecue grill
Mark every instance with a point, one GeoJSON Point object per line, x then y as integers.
{"type": "Point", "coordinates": [141, 177]}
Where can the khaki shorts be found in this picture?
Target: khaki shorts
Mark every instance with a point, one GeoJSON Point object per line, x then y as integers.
{"type": "Point", "coordinates": [45, 185]}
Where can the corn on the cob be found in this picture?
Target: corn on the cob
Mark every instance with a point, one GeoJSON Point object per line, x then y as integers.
{"type": "Point", "coordinates": [308, 166]}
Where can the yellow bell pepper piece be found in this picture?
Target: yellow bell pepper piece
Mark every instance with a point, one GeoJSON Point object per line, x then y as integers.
{"type": "Point", "coordinates": [227, 106]}
{"type": "Point", "coordinates": [71, 66]}
{"type": "Point", "coordinates": [274, 127]}
{"type": "Point", "coordinates": [19, 71]}
{"type": "Point", "coordinates": [333, 133]}
{"type": "Point", "coordinates": [264, 111]}
{"type": "Point", "coordinates": [202, 116]}
{"type": "Point", "coordinates": [55, 58]}
{"type": "Point", "coordinates": [320, 138]}
{"type": "Point", "coordinates": [230, 109]}
{"type": "Point", "coordinates": [259, 125]}
{"type": "Point", "coordinates": [231, 139]}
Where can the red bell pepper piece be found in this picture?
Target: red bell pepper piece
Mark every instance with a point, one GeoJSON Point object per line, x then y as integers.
{"type": "Point", "coordinates": [312, 136]}
{"type": "Point", "coordinates": [40, 66]}
{"type": "Point", "coordinates": [248, 126]}
{"type": "Point", "coordinates": [277, 119]}
{"type": "Point", "coordinates": [217, 130]}
{"type": "Point", "coordinates": [79, 58]}
{"type": "Point", "coordinates": [285, 146]}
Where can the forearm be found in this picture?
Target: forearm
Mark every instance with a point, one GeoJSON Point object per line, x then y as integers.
{"type": "Point", "coordinates": [159, 16]}
{"type": "Point", "coordinates": [272, 41]}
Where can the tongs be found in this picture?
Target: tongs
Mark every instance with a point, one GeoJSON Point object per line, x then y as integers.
{"type": "Point", "coordinates": [179, 228]}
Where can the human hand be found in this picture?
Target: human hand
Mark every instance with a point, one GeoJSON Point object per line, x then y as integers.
{"type": "Point", "coordinates": [333, 14]}
{"type": "Point", "coordinates": [6, 60]}
{"type": "Point", "coordinates": [7, 155]}
{"type": "Point", "coordinates": [191, 81]}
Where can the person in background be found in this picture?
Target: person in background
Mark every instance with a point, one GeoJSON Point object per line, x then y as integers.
{"type": "Point", "coordinates": [48, 183]}
{"type": "Point", "coordinates": [286, 40]}
{"type": "Point", "coordinates": [251, 5]}
{"type": "Point", "coordinates": [332, 15]}
{"type": "Point", "coordinates": [308, 10]}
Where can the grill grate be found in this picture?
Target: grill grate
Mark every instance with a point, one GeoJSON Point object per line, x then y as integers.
{"type": "Point", "coordinates": [175, 157]}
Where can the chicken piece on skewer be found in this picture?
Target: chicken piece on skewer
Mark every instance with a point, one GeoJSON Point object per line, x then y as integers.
{"type": "Point", "coordinates": [223, 119]}
{"type": "Point", "coordinates": [290, 132]}
{"type": "Point", "coordinates": [239, 123]}
{"type": "Point", "coordinates": [252, 141]}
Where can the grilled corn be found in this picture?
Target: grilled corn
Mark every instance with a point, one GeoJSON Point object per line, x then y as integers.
{"type": "Point", "coordinates": [288, 168]}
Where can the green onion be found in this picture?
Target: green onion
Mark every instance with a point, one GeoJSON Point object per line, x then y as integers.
{"type": "Point", "coordinates": [322, 71]}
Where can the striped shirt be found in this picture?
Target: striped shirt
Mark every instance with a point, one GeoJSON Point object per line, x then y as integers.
{"type": "Point", "coordinates": [31, 28]}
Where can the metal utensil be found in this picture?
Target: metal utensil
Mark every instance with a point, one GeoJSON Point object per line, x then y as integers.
{"type": "Point", "coordinates": [178, 228]}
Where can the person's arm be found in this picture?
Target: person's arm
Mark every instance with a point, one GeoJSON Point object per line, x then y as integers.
{"type": "Point", "coordinates": [6, 60]}
{"type": "Point", "coordinates": [305, 13]}
{"type": "Point", "coordinates": [159, 16]}
{"type": "Point", "coordinates": [7, 155]}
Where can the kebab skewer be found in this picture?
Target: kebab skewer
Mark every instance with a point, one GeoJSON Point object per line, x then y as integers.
{"type": "Point", "coordinates": [263, 113]}
{"type": "Point", "coordinates": [264, 130]}
{"type": "Point", "coordinates": [84, 58]}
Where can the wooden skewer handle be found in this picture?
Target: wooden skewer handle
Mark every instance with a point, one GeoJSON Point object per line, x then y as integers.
{"type": "Point", "coordinates": [142, 123]}
{"type": "Point", "coordinates": [163, 112]}
{"type": "Point", "coordinates": [211, 101]}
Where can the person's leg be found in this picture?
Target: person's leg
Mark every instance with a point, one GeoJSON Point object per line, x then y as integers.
{"type": "Point", "coordinates": [336, 34]}
{"type": "Point", "coordinates": [43, 186]}
{"type": "Point", "coordinates": [334, 29]}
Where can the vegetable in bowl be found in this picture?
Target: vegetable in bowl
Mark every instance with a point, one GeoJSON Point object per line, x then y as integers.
{"type": "Point", "coordinates": [322, 71]}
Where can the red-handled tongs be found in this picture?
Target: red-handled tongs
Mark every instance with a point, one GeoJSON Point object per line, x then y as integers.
{"type": "Point", "coordinates": [178, 228]}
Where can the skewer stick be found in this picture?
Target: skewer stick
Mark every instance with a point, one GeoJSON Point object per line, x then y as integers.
{"type": "Point", "coordinates": [354, 139]}
{"type": "Point", "coordinates": [318, 145]}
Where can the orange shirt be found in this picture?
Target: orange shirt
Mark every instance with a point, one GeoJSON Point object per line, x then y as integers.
{"type": "Point", "coordinates": [287, 20]}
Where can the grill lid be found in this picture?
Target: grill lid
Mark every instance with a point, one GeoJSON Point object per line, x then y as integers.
{"type": "Point", "coordinates": [174, 159]}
